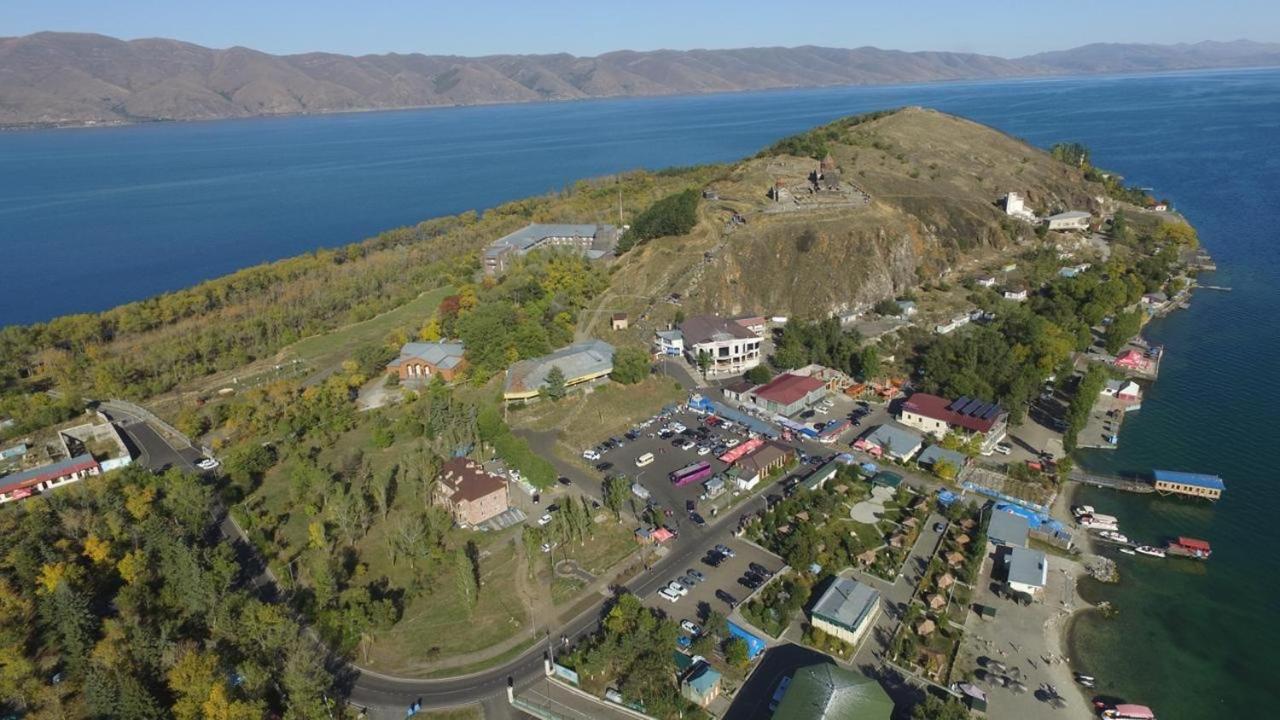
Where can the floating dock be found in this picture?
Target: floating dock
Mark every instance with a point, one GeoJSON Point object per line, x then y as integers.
{"type": "Point", "coordinates": [1113, 482]}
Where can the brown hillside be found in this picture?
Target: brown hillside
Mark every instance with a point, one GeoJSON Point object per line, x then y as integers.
{"type": "Point", "coordinates": [934, 182]}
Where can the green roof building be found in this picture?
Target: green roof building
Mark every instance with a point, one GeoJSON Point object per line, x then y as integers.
{"type": "Point", "coordinates": [827, 692]}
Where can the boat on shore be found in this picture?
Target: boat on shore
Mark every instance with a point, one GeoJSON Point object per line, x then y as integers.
{"type": "Point", "coordinates": [1189, 548]}
{"type": "Point", "coordinates": [1150, 551]}
{"type": "Point", "coordinates": [1082, 510]}
{"type": "Point", "coordinates": [1128, 551]}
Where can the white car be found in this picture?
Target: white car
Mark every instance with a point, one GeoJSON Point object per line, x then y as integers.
{"type": "Point", "coordinates": [546, 547]}
{"type": "Point", "coordinates": [686, 445]}
{"type": "Point", "coordinates": [690, 627]}
{"type": "Point", "coordinates": [545, 520]}
{"type": "Point", "coordinates": [207, 464]}
{"type": "Point", "coordinates": [731, 442]}
{"type": "Point", "coordinates": [590, 455]}
{"type": "Point", "coordinates": [1004, 449]}
{"type": "Point", "coordinates": [675, 587]}
{"type": "Point", "coordinates": [678, 427]}
{"type": "Point", "coordinates": [666, 594]}
{"type": "Point", "coordinates": [704, 450]}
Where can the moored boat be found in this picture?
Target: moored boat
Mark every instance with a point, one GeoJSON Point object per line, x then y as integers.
{"type": "Point", "coordinates": [1129, 711]}
{"type": "Point", "coordinates": [1150, 551]}
{"type": "Point", "coordinates": [1127, 551]}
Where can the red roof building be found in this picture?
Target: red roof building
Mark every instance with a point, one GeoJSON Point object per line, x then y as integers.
{"type": "Point", "coordinates": [788, 394]}
{"type": "Point", "coordinates": [46, 477]}
{"type": "Point", "coordinates": [938, 415]}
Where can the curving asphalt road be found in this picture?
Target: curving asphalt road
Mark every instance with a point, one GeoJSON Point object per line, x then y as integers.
{"type": "Point", "coordinates": [376, 691]}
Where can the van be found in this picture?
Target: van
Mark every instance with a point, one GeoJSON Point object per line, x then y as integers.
{"type": "Point", "coordinates": [644, 459]}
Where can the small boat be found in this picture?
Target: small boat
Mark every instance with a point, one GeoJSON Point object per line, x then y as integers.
{"type": "Point", "coordinates": [1128, 551]}
{"type": "Point", "coordinates": [1114, 536]}
{"type": "Point", "coordinates": [1083, 676]}
{"type": "Point", "coordinates": [1086, 683]}
{"type": "Point", "coordinates": [1082, 510]}
{"type": "Point", "coordinates": [1129, 711]}
{"type": "Point", "coordinates": [1151, 551]}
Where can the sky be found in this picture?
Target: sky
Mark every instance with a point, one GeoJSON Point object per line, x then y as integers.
{"type": "Point", "coordinates": [481, 27]}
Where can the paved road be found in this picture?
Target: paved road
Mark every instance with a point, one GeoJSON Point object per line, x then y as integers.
{"type": "Point", "coordinates": [382, 694]}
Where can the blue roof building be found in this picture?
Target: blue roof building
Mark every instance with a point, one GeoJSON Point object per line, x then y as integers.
{"type": "Point", "coordinates": [1198, 485]}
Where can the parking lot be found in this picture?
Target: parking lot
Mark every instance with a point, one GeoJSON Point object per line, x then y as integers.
{"type": "Point", "coordinates": [667, 457]}
{"type": "Point", "coordinates": [701, 598]}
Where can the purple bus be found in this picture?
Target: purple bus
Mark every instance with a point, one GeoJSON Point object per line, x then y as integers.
{"type": "Point", "coordinates": [691, 473]}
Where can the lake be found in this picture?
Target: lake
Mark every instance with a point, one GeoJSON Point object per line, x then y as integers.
{"type": "Point", "coordinates": [92, 218]}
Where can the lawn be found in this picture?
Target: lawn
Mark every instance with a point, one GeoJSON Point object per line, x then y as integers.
{"type": "Point", "coordinates": [564, 590]}
{"type": "Point", "coordinates": [612, 543]}
{"type": "Point", "coordinates": [436, 624]}
{"type": "Point", "coordinates": [584, 419]}
{"type": "Point", "coordinates": [331, 348]}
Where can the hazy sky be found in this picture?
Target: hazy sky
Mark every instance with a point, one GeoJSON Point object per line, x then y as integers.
{"type": "Point", "coordinates": [478, 27]}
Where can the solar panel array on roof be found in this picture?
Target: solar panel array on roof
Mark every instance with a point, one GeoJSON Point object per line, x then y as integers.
{"type": "Point", "coordinates": [971, 407]}
{"type": "Point", "coordinates": [991, 412]}
{"type": "Point", "coordinates": [958, 403]}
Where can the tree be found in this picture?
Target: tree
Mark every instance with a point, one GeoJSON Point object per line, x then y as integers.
{"type": "Point", "coordinates": [944, 469]}
{"type": "Point", "coordinates": [1122, 328]}
{"type": "Point", "coordinates": [869, 362]}
{"type": "Point", "coordinates": [735, 652]}
{"type": "Point", "coordinates": [464, 574]}
{"type": "Point", "coordinates": [616, 488]}
{"type": "Point", "coordinates": [704, 362]}
{"type": "Point", "coordinates": [630, 365]}
{"type": "Point", "coordinates": [675, 214]}
{"type": "Point", "coordinates": [759, 375]}
{"type": "Point", "coordinates": [887, 307]}
{"type": "Point", "coordinates": [934, 708]}
{"type": "Point", "coordinates": [554, 387]}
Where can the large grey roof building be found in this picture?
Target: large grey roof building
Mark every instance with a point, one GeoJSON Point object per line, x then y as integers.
{"type": "Point", "coordinates": [594, 241]}
{"type": "Point", "coordinates": [1006, 528]}
{"type": "Point", "coordinates": [827, 692]}
{"type": "Point", "coordinates": [846, 610]}
{"type": "Point", "coordinates": [580, 362]}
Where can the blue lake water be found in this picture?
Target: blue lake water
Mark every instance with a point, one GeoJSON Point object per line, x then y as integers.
{"type": "Point", "coordinates": [92, 218]}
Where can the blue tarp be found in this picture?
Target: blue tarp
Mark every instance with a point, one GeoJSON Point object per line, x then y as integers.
{"type": "Point", "coordinates": [946, 497]}
{"type": "Point", "coordinates": [1002, 497]}
{"type": "Point", "coordinates": [1035, 520]}
{"type": "Point", "coordinates": [755, 645]}
{"type": "Point", "coordinates": [703, 404]}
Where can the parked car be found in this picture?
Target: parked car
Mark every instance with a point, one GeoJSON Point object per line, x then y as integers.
{"type": "Point", "coordinates": [545, 520]}
{"type": "Point", "coordinates": [748, 582]}
{"type": "Point", "coordinates": [760, 570]}
{"type": "Point", "coordinates": [688, 580]}
{"type": "Point", "coordinates": [690, 505]}
{"type": "Point", "coordinates": [686, 444]}
{"type": "Point", "coordinates": [207, 464]}
{"type": "Point", "coordinates": [604, 466]}
{"type": "Point", "coordinates": [939, 527]}
{"type": "Point", "coordinates": [675, 587]}
{"type": "Point", "coordinates": [732, 442]}
{"type": "Point", "coordinates": [690, 627]}
{"type": "Point", "coordinates": [546, 547]}
{"type": "Point", "coordinates": [678, 427]}
{"type": "Point", "coordinates": [724, 550]}
{"type": "Point", "coordinates": [713, 559]}
{"type": "Point", "coordinates": [728, 599]}
{"type": "Point", "coordinates": [696, 574]}
{"type": "Point", "coordinates": [697, 519]}
{"type": "Point", "coordinates": [666, 594]}
{"type": "Point", "coordinates": [1004, 448]}
{"type": "Point", "coordinates": [553, 508]}
{"type": "Point", "coordinates": [590, 455]}
{"type": "Point", "coordinates": [564, 480]}
{"type": "Point", "coordinates": [704, 450]}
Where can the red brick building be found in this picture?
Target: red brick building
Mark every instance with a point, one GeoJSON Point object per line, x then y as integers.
{"type": "Point", "coordinates": [469, 492]}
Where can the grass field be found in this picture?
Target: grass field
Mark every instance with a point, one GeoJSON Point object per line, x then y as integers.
{"type": "Point", "coordinates": [583, 420]}
{"type": "Point", "coordinates": [611, 543]}
{"type": "Point", "coordinates": [322, 351]}
{"type": "Point", "coordinates": [437, 625]}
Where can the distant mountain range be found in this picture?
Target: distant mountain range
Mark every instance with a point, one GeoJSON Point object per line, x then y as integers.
{"type": "Point", "coordinates": [74, 79]}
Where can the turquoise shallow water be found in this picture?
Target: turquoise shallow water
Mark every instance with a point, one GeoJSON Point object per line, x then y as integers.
{"type": "Point", "coordinates": [121, 213]}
